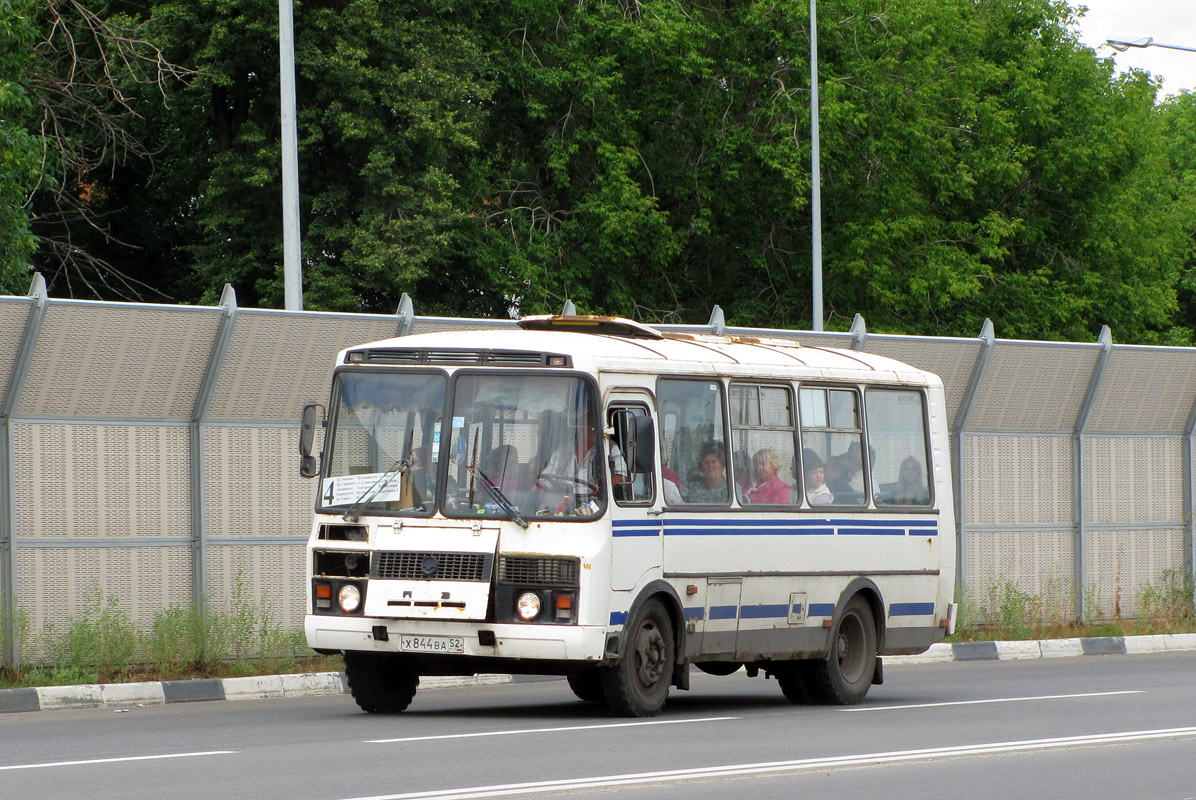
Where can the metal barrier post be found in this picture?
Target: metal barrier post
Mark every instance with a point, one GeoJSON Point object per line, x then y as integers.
{"type": "Point", "coordinates": [10, 654]}
{"type": "Point", "coordinates": [1189, 473]}
{"type": "Point", "coordinates": [987, 341]}
{"type": "Point", "coordinates": [1078, 471]}
{"type": "Point", "coordinates": [203, 399]}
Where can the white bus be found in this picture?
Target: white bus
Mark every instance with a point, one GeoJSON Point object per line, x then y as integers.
{"type": "Point", "coordinates": [589, 497]}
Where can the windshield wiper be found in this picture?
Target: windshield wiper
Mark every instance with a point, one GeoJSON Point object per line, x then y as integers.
{"type": "Point", "coordinates": [354, 512]}
{"type": "Point", "coordinates": [497, 495]}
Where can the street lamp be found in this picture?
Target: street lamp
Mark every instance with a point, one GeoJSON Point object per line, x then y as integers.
{"type": "Point", "coordinates": [291, 259]}
{"type": "Point", "coordinates": [1124, 42]}
{"type": "Point", "coordinates": [815, 171]}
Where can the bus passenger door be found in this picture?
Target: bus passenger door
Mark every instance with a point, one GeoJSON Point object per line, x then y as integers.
{"type": "Point", "coordinates": [721, 625]}
{"type": "Point", "coordinates": [637, 526]}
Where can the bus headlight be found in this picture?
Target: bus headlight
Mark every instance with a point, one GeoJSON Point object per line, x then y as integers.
{"type": "Point", "coordinates": [528, 606]}
{"type": "Point", "coordinates": [349, 598]}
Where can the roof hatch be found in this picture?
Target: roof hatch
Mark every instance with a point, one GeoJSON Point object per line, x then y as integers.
{"type": "Point", "coordinates": [584, 323]}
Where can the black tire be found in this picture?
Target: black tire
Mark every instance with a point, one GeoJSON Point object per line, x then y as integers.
{"type": "Point", "coordinates": [843, 676]}
{"type": "Point", "coordinates": [587, 685]}
{"type": "Point", "coordinates": [791, 678]}
{"type": "Point", "coordinates": [638, 685]}
{"type": "Point", "coordinates": [719, 668]}
{"type": "Point", "coordinates": [379, 682]}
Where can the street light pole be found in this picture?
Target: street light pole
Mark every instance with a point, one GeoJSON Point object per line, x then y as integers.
{"type": "Point", "coordinates": [1125, 42]}
{"type": "Point", "coordinates": [291, 272]}
{"type": "Point", "coordinates": [815, 170]}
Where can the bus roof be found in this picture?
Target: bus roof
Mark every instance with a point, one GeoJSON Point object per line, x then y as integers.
{"type": "Point", "coordinates": [601, 344]}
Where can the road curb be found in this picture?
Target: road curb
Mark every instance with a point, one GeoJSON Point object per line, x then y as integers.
{"type": "Point", "coordinates": [1050, 648]}
{"type": "Point", "coordinates": [261, 687]}
{"type": "Point", "coordinates": [156, 693]}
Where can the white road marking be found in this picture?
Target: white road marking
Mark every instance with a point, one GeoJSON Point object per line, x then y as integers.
{"type": "Point", "coordinates": [548, 730]}
{"type": "Point", "coordinates": [118, 760]}
{"type": "Point", "coordinates": [994, 700]}
{"type": "Point", "coordinates": [808, 764]}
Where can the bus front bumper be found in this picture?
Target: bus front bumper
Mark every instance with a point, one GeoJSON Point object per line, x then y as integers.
{"type": "Point", "coordinates": [435, 637]}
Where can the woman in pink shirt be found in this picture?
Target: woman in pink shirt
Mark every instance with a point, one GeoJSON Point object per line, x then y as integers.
{"type": "Point", "coordinates": [768, 486]}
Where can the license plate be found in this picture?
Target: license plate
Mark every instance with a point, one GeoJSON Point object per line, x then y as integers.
{"type": "Point", "coordinates": [431, 644]}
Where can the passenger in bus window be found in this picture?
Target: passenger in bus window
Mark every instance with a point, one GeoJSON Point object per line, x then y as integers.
{"type": "Point", "coordinates": [816, 489]}
{"type": "Point", "coordinates": [909, 489]}
{"type": "Point", "coordinates": [671, 483]}
{"type": "Point", "coordinates": [711, 486]}
{"type": "Point", "coordinates": [422, 473]}
{"type": "Point", "coordinates": [742, 471]}
{"type": "Point", "coordinates": [505, 470]}
{"type": "Point", "coordinates": [768, 486]}
{"type": "Point", "coordinates": [855, 465]}
{"type": "Point", "coordinates": [573, 464]}
{"type": "Point", "coordinates": [835, 470]}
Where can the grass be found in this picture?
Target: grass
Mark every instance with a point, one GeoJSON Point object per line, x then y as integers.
{"type": "Point", "coordinates": [104, 645]}
{"type": "Point", "coordinates": [1006, 612]}
{"type": "Point", "coordinates": [189, 641]}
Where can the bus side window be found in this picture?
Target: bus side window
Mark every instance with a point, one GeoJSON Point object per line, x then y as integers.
{"type": "Point", "coordinates": [898, 442]}
{"type": "Point", "coordinates": [693, 451]}
{"type": "Point", "coordinates": [834, 466]}
{"type": "Point", "coordinates": [632, 455]}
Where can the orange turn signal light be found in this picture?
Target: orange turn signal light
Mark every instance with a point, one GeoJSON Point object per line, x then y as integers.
{"type": "Point", "coordinates": [323, 591]}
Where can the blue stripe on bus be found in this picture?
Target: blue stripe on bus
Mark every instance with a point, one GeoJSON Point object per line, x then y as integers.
{"type": "Point", "coordinates": [870, 531]}
{"type": "Point", "coordinates": [809, 527]}
{"type": "Point", "coordinates": [778, 611]}
{"type": "Point", "coordinates": [747, 523]}
{"type": "Point", "coordinates": [911, 610]}
{"type": "Point", "coordinates": [763, 612]}
{"type": "Point", "coordinates": [781, 531]}
{"type": "Point", "coordinates": [635, 527]}
{"type": "Point", "coordinates": [724, 612]}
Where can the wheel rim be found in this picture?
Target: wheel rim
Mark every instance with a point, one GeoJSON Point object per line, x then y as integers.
{"type": "Point", "coordinates": [850, 647]}
{"type": "Point", "coordinates": [651, 653]}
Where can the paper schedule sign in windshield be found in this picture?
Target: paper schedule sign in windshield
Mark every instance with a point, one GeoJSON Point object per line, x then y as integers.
{"type": "Point", "coordinates": [345, 490]}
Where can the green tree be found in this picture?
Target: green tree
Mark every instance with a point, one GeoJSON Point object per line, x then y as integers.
{"type": "Point", "coordinates": [69, 73]}
{"type": "Point", "coordinates": [983, 163]}
{"type": "Point", "coordinates": [390, 97]}
{"type": "Point", "coordinates": [19, 151]}
{"type": "Point", "coordinates": [651, 159]}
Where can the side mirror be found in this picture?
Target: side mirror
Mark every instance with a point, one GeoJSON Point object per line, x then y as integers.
{"type": "Point", "coordinates": [309, 465]}
{"type": "Point", "coordinates": [636, 436]}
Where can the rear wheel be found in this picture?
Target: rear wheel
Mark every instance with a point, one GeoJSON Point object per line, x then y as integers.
{"type": "Point", "coordinates": [379, 682]}
{"type": "Point", "coordinates": [844, 675]}
{"type": "Point", "coordinates": [638, 685]}
{"type": "Point", "coordinates": [791, 678]}
{"type": "Point", "coordinates": [587, 685]}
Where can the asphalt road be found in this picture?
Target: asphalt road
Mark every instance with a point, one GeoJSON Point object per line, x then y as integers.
{"type": "Point", "coordinates": [1092, 727]}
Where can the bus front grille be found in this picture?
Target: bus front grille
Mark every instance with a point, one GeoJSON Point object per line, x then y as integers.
{"type": "Point", "coordinates": [538, 571]}
{"type": "Point", "coordinates": [426, 566]}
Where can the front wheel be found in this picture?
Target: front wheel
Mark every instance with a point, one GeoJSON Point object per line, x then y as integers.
{"type": "Point", "coordinates": [844, 675]}
{"type": "Point", "coordinates": [638, 685]}
{"type": "Point", "coordinates": [379, 682]}
{"type": "Point", "coordinates": [587, 685]}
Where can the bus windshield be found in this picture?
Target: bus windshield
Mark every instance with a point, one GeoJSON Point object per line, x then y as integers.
{"type": "Point", "coordinates": [379, 456]}
{"type": "Point", "coordinates": [516, 443]}
{"type": "Point", "coordinates": [533, 438]}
